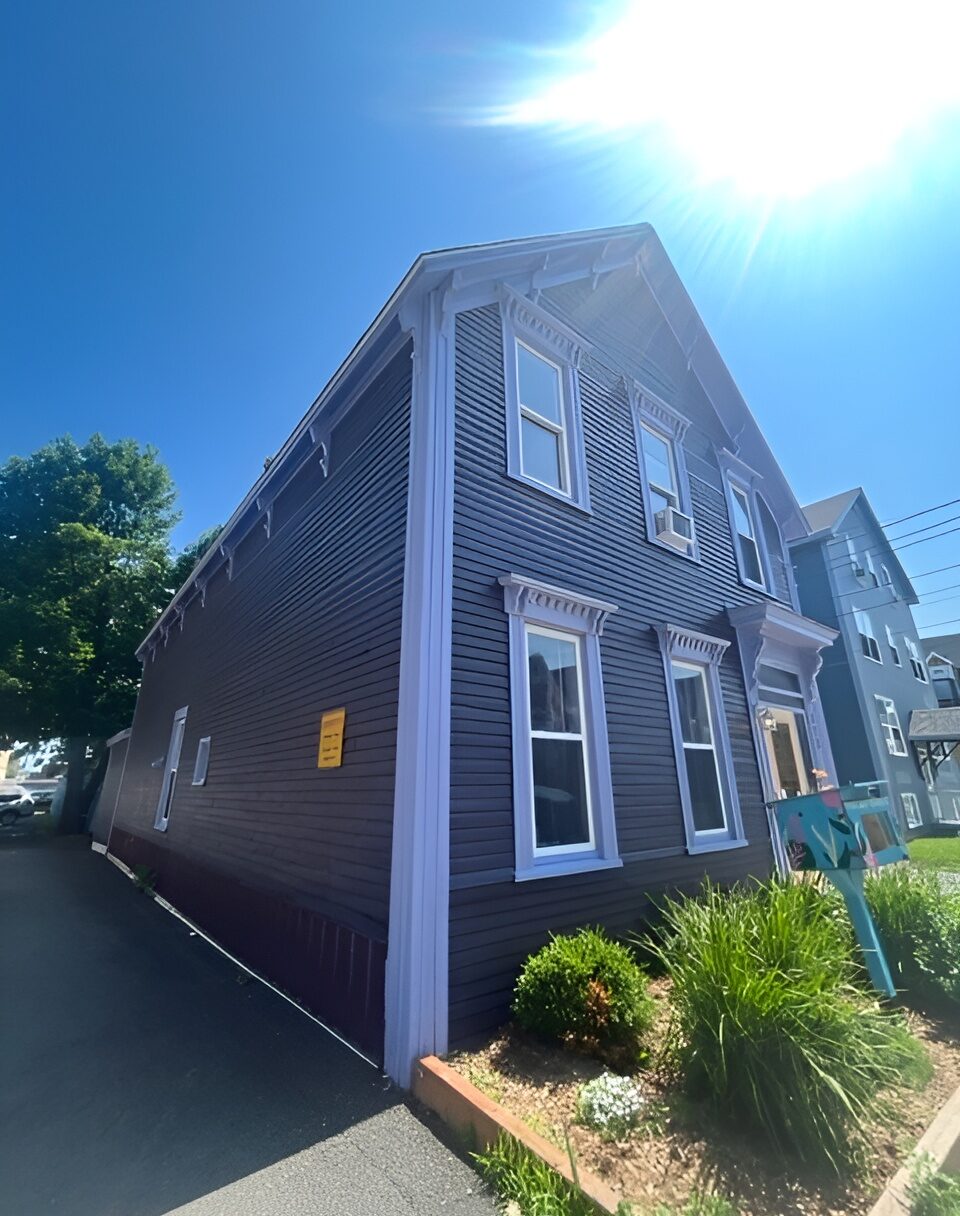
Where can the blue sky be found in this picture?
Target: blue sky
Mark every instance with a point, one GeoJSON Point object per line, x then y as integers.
{"type": "Point", "coordinates": [204, 205]}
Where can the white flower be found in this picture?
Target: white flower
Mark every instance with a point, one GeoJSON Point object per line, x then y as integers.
{"type": "Point", "coordinates": [610, 1104]}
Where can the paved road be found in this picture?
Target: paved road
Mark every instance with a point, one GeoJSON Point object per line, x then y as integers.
{"type": "Point", "coordinates": [139, 1076]}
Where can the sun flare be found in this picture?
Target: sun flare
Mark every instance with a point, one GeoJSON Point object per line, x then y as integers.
{"type": "Point", "coordinates": [777, 98]}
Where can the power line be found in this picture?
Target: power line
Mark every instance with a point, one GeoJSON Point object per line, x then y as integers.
{"type": "Point", "coordinates": [937, 624]}
{"type": "Point", "coordinates": [890, 523]}
{"type": "Point", "coordinates": [926, 528]}
{"type": "Point", "coordinates": [939, 570]}
{"type": "Point", "coordinates": [881, 552]}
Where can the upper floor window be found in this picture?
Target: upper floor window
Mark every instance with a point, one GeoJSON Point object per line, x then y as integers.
{"type": "Point", "coordinates": [544, 429]}
{"type": "Point", "coordinates": [885, 577]}
{"type": "Point", "coordinates": [663, 475]}
{"type": "Point", "coordinates": [708, 792]}
{"type": "Point", "coordinates": [563, 793]}
{"type": "Point", "coordinates": [894, 650]}
{"type": "Point", "coordinates": [890, 725]}
{"type": "Point", "coordinates": [916, 663]}
{"type": "Point", "coordinates": [870, 570]}
{"type": "Point", "coordinates": [757, 541]}
{"type": "Point", "coordinates": [868, 639]}
{"type": "Point", "coordinates": [748, 548]}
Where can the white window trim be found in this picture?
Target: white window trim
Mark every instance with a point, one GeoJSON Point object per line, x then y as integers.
{"type": "Point", "coordinates": [916, 662]}
{"type": "Point", "coordinates": [870, 634]}
{"type": "Point", "coordinates": [915, 820]}
{"type": "Point", "coordinates": [659, 419]}
{"type": "Point", "coordinates": [171, 768]}
{"type": "Point", "coordinates": [545, 608]}
{"type": "Point", "coordinates": [894, 649]}
{"type": "Point", "coordinates": [738, 475]}
{"type": "Point", "coordinates": [524, 323]}
{"type": "Point", "coordinates": [201, 764]}
{"type": "Point", "coordinates": [687, 648]}
{"type": "Point", "coordinates": [889, 708]}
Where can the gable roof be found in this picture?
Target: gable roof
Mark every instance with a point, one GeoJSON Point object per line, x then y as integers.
{"type": "Point", "coordinates": [947, 645]}
{"type": "Point", "coordinates": [829, 512]}
{"type": "Point", "coordinates": [825, 519]}
{"type": "Point", "coordinates": [468, 276]}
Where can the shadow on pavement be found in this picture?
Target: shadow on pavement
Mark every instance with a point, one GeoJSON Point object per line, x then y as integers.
{"type": "Point", "coordinates": [143, 1073]}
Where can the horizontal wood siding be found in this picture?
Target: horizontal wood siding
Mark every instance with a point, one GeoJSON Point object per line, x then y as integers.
{"type": "Point", "coordinates": [310, 621]}
{"type": "Point", "coordinates": [502, 526]}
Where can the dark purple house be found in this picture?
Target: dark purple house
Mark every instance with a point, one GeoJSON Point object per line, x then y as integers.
{"type": "Point", "coordinates": [531, 540]}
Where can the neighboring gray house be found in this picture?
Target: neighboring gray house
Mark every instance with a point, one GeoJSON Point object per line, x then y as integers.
{"type": "Point", "coordinates": [943, 663]}
{"type": "Point", "coordinates": [523, 560]}
{"type": "Point", "coordinates": [875, 676]}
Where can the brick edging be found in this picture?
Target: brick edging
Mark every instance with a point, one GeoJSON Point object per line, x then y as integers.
{"type": "Point", "coordinates": [463, 1107]}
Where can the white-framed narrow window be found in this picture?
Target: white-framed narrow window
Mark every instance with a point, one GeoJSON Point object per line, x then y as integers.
{"type": "Point", "coordinates": [935, 808]}
{"type": "Point", "coordinates": [544, 425]}
{"type": "Point", "coordinates": [911, 810]}
{"type": "Point", "coordinates": [708, 792]}
{"type": "Point", "coordinates": [890, 725]}
{"type": "Point", "coordinates": [855, 564]}
{"type": "Point", "coordinates": [892, 643]}
{"type": "Point", "coordinates": [885, 578]}
{"type": "Point", "coordinates": [870, 571]}
{"type": "Point", "coordinates": [868, 639]}
{"type": "Point", "coordinates": [956, 808]}
{"type": "Point", "coordinates": [170, 769]}
{"type": "Point", "coordinates": [745, 528]}
{"type": "Point", "coordinates": [664, 483]}
{"type": "Point", "coordinates": [563, 792]}
{"type": "Point", "coordinates": [916, 663]}
{"type": "Point", "coordinates": [202, 762]}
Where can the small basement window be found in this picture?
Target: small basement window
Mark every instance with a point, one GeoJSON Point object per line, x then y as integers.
{"type": "Point", "coordinates": [202, 761]}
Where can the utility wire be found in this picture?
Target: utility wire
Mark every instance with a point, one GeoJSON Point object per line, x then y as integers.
{"type": "Point", "coordinates": [937, 624]}
{"type": "Point", "coordinates": [882, 551]}
{"type": "Point", "coordinates": [892, 523]}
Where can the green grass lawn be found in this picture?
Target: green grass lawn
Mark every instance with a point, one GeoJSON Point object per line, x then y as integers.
{"type": "Point", "coordinates": [936, 853]}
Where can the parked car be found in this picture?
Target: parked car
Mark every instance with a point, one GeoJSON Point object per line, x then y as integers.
{"type": "Point", "coordinates": [15, 803]}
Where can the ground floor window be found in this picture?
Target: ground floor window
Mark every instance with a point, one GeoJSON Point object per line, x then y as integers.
{"type": "Point", "coordinates": [708, 792]}
{"type": "Point", "coordinates": [890, 725]}
{"type": "Point", "coordinates": [911, 810]}
{"type": "Point", "coordinates": [563, 792]}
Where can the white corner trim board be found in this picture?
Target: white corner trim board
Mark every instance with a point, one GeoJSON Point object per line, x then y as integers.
{"type": "Point", "coordinates": [417, 943]}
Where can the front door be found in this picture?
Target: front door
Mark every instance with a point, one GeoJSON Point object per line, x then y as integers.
{"type": "Point", "coordinates": [785, 732]}
{"type": "Point", "coordinates": [170, 767]}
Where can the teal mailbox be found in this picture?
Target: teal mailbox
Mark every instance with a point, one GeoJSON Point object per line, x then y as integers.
{"type": "Point", "coordinates": [844, 833]}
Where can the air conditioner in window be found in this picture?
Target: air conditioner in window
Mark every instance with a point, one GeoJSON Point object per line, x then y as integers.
{"type": "Point", "coordinates": [674, 528]}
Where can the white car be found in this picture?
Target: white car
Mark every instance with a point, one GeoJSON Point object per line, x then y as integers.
{"type": "Point", "coordinates": [15, 803]}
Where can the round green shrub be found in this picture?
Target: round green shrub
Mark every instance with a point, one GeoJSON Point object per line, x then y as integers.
{"type": "Point", "coordinates": [585, 988]}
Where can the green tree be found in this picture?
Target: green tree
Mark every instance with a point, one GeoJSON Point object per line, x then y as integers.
{"type": "Point", "coordinates": [85, 568]}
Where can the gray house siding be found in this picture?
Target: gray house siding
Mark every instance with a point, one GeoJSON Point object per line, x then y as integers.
{"type": "Point", "coordinates": [288, 865]}
{"type": "Point", "coordinates": [502, 526]}
{"type": "Point", "coordinates": [850, 682]}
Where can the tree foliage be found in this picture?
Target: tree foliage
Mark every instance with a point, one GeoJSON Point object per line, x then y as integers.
{"type": "Point", "coordinates": [85, 555]}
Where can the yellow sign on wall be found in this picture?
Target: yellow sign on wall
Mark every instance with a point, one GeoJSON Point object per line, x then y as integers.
{"type": "Point", "coordinates": [330, 754]}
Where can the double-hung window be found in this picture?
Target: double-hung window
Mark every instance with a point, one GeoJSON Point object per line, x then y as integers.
{"type": "Point", "coordinates": [663, 474]}
{"type": "Point", "coordinates": [871, 573]}
{"type": "Point", "coordinates": [890, 725]}
{"type": "Point", "coordinates": [544, 427]}
{"type": "Point", "coordinates": [708, 792]}
{"type": "Point", "coordinates": [911, 810]}
{"type": "Point", "coordinates": [894, 649]}
{"type": "Point", "coordinates": [745, 527]}
{"type": "Point", "coordinates": [868, 639]}
{"type": "Point", "coordinates": [916, 663]}
{"type": "Point", "coordinates": [563, 793]}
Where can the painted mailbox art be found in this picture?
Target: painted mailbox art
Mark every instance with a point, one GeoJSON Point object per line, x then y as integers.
{"type": "Point", "coordinates": [843, 833]}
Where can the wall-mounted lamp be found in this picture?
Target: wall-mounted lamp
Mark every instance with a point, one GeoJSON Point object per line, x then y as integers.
{"type": "Point", "coordinates": [768, 719]}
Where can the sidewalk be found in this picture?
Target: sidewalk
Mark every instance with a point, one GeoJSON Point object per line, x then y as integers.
{"type": "Point", "coordinates": [142, 1074]}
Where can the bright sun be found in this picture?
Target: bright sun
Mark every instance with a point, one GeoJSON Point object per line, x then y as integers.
{"type": "Point", "coordinates": [778, 98]}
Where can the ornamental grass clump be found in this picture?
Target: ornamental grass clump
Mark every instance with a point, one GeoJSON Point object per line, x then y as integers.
{"type": "Point", "coordinates": [919, 925]}
{"type": "Point", "coordinates": [771, 1025]}
{"type": "Point", "coordinates": [611, 1105]}
{"type": "Point", "coordinates": [588, 991]}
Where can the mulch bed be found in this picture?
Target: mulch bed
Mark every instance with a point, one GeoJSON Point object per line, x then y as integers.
{"type": "Point", "coordinates": [682, 1147]}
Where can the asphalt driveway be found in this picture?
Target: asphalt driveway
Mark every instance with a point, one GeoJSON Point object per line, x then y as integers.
{"type": "Point", "coordinates": [143, 1074]}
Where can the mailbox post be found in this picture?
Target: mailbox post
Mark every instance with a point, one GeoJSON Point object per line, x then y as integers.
{"type": "Point", "coordinates": [843, 834]}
